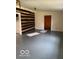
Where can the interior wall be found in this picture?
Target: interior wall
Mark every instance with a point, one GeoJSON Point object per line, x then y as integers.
{"type": "Point", "coordinates": [56, 20]}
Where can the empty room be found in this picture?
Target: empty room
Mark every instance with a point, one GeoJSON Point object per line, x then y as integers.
{"type": "Point", "coordinates": [39, 29]}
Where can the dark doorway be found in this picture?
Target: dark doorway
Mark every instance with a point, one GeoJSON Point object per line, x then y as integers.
{"type": "Point", "coordinates": [47, 22]}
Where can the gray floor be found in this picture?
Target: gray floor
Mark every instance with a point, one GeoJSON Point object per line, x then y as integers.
{"type": "Point", "coordinates": [47, 45]}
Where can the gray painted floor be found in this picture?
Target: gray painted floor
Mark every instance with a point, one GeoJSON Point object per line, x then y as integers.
{"type": "Point", "coordinates": [47, 45]}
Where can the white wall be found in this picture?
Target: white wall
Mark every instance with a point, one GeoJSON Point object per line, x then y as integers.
{"type": "Point", "coordinates": [56, 20]}
{"type": "Point", "coordinates": [18, 24]}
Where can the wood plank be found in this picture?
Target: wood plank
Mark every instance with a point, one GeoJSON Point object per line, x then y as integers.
{"type": "Point", "coordinates": [27, 24]}
{"type": "Point", "coordinates": [24, 10]}
{"type": "Point", "coordinates": [27, 16]}
{"type": "Point", "coordinates": [27, 21]}
{"type": "Point", "coordinates": [27, 29]}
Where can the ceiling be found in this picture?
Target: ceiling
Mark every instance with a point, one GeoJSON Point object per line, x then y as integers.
{"type": "Point", "coordinates": [43, 4]}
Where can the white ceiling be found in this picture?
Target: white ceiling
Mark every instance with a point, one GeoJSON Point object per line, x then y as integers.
{"type": "Point", "coordinates": [43, 4]}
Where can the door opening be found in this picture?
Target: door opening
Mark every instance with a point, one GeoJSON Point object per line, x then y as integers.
{"type": "Point", "coordinates": [47, 22]}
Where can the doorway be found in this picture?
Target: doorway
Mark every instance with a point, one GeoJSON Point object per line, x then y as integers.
{"type": "Point", "coordinates": [47, 22]}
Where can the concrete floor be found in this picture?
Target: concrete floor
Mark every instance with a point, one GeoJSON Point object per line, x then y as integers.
{"type": "Point", "coordinates": [47, 45]}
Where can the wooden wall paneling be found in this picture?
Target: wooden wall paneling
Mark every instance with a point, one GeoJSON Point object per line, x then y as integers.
{"type": "Point", "coordinates": [27, 20]}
